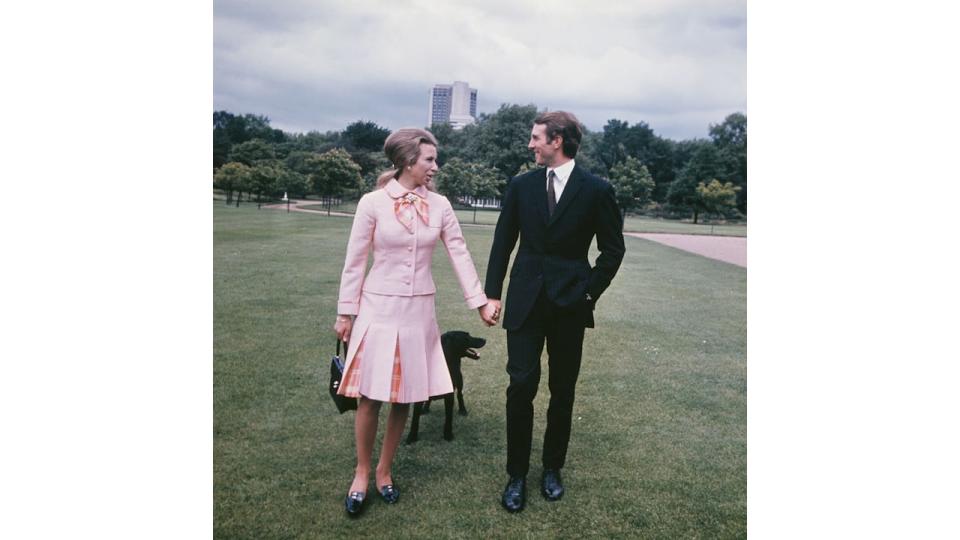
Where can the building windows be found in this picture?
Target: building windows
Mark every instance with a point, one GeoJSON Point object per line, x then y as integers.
{"type": "Point", "coordinates": [453, 103]}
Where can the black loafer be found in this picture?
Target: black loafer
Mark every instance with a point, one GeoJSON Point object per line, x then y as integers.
{"type": "Point", "coordinates": [354, 503]}
{"type": "Point", "coordinates": [552, 485]}
{"type": "Point", "coordinates": [515, 494]}
{"type": "Point", "coordinates": [390, 493]}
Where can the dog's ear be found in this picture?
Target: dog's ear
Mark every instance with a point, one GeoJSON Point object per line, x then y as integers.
{"type": "Point", "coordinates": [458, 338]}
{"type": "Point", "coordinates": [451, 339]}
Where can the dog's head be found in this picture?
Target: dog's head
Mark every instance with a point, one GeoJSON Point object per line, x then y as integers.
{"type": "Point", "coordinates": [460, 344]}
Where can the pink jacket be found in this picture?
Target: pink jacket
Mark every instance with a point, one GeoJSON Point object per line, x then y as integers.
{"type": "Point", "coordinates": [401, 258]}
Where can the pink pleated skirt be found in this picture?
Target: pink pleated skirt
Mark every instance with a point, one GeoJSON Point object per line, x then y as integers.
{"type": "Point", "coordinates": [395, 353]}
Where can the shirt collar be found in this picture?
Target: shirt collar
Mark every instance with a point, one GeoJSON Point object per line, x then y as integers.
{"type": "Point", "coordinates": [395, 190]}
{"type": "Point", "coordinates": [563, 172]}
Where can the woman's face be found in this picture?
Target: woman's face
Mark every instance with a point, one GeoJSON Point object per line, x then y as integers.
{"type": "Point", "coordinates": [423, 170]}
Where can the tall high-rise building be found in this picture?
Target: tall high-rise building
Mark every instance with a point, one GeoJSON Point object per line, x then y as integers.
{"type": "Point", "coordinates": [454, 103]}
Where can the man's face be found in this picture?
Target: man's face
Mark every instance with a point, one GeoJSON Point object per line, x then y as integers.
{"type": "Point", "coordinates": [545, 152]}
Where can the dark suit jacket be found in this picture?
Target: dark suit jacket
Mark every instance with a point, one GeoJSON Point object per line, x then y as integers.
{"type": "Point", "coordinates": [553, 251]}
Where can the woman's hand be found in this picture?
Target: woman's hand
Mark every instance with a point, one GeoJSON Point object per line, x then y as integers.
{"type": "Point", "coordinates": [343, 326]}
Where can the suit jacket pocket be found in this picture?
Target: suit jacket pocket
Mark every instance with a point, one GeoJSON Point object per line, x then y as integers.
{"type": "Point", "coordinates": [567, 280]}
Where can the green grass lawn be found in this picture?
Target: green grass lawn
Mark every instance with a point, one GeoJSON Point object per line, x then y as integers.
{"type": "Point", "coordinates": [634, 223]}
{"type": "Point", "coordinates": [658, 448]}
{"type": "Point", "coordinates": [348, 207]}
{"type": "Point", "coordinates": [644, 224]}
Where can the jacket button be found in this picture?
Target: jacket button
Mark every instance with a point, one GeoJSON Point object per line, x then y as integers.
{"type": "Point", "coordinates": [407, 263]}
{"type": "Point", "coordinates": [407, 281]}
{"type": "Point", "coordinates": [409, 248]}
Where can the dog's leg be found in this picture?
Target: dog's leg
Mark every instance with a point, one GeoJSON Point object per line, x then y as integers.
{"type": "Point", "coordinates": [415, 424]}
{"type": "Point", "coordinates": [448, 418]}
{"type": "Point", "coordinates": [462, 409]}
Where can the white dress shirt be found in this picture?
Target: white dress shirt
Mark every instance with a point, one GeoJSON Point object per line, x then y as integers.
{"type": "Point", "coordinates": [563, 174]}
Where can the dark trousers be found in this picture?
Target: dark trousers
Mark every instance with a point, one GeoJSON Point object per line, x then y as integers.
{"type": "Point", "coordinates": [562, 329]}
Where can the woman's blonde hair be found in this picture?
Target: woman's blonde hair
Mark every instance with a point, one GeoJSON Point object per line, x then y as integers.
{"type": "Point", "coordinates": [402, 148]}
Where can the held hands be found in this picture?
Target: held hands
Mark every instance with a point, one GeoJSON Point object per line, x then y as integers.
{"type": "Point", "coordinates": [343, 326]}
{"type": "Point", "coordinates": [490, 312]}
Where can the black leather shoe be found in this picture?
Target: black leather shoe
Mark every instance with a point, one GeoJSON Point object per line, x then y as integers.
{"type": "Point", "coordinates": [354, 503]}
{"type": "Point", "coordinates": [390, 493]}
{"type": "Point", "coordinates": [552, 485]}
{"type": "Point", "coordinates": [515, 494]}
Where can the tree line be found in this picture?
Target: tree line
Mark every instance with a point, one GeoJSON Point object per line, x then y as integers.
{"type": "Point", "coordinates": [678, 178]}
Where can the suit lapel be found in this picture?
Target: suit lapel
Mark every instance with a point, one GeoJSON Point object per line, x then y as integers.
{"type": "Point", "coordinates": [540, 194]}
{"type": "Point", "coordinates": [569, 193]}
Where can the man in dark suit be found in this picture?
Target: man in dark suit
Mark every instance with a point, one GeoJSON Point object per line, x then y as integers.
{"type": "Point", "coordinates": [556, 212]}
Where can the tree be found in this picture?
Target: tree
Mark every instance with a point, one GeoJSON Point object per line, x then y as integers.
{"type": "Point", "coordinates": [223, 126]}
{"type": "Point", "coordinates": [333, 173]}
{"type": "Point", "coordinates": [527, 167]}
{"type": "Point", "coordinates": [703, 166]}
{"type": "Point", "coordinates": [633, 184]}
{"type": "Point", "coordinates": [659, 159]}
{"type": "Point", "coordinates": [621, 140]}
{"type": "Point", "coordinates": [293, 183]}
{"type": "Point", "coordinates": [612, 148]}
{"type": "Point", "coordinates": [451, 142]}
{"type": "Point", "coordinates": [299, 161]}
{"type": "Point", "coordinates": [369, 182]}
{"type": "Point", "coordinates": [500, 139]}
{"type": "Point", "coordinates": [242, 128]}
{"type": "Point", "coordinates": [221, 147]}
{"type": "Point", "coordinates": [381, 164]}
{"type": "Point", "coordinates": [487, 183]}
{"type": "Point", "coordinates": [303, 164]}
{"type": "Point", "coordinates": [313, 141]}
{"type": "Point", "coordinates": [717, 198]}
{"type": "Point", "coordinates": [230, 130]}
{"type": "Point", "coordinates": [454, 179]}
{"type": "Point", "coordinates": [362, 135]}
{"type": "Point", "coordinates": [588, 155]}
{"type": "Point", "coordinates": [264, 180]}
{"type": "Point", "coordinates": [231, 176]}
{"type": "Point", "coordinates": [458, 179]}
{"type": "Point", "coordinates": [730, 138]}
{"type": "Point", "coordinates": [252, 152]}
{"type": "Point", "coordinates": [370, 162]}
{"type": "Point", "coordinates": [683, 152]}
{"type": "Point", "coordinates": [364, 141]}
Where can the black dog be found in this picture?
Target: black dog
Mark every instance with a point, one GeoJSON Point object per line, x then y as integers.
{"type": "Point", "coordinates": [456, 345]}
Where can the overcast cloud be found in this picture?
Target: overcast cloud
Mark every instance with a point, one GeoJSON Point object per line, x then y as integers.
{"type": "Point", "coordinates": [319, 65]}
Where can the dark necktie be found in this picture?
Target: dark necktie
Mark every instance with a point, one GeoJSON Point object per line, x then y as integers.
{"type": "Point", "coordinates": [551, 193]}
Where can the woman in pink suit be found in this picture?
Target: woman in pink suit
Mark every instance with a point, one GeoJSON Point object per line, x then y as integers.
{"type": "Point", "coordinates": [394, 352]}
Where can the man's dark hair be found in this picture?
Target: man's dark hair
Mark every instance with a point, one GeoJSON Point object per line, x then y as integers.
{"type": "Point", "coordinates": [565, 125]}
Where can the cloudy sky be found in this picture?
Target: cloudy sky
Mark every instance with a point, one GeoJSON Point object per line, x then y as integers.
{"type": "Point", "coordinates": [678, 65]}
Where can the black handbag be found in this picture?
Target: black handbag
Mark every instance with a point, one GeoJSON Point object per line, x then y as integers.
{"type": "Point", "coordinates": [343, 403]}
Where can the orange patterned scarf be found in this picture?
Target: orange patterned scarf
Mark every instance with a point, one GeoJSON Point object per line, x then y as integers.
{"type": "Point", "coordinates": [406, 206]}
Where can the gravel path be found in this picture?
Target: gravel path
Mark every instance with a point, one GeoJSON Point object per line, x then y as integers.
{"type": "Point", "coordinates": [295, 207]}
{"type": "Point", "coordinates": [731, 249]}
